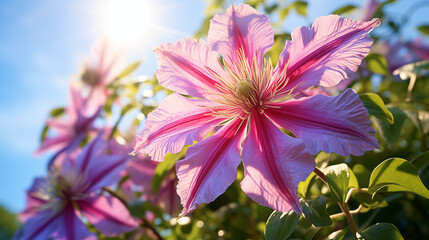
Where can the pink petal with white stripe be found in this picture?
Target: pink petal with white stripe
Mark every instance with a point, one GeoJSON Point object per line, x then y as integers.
{"type": "Point", "coordinates": [210, 166]}
{"type": "Point", "coordinates": [274, 165]}
{"type": "Point", "coordinates": [324, 54]}
{"type": "Point", "coordinates": [337, 124]}
{"type": "Point", "coordinates": [178, 121]}
{"type": "Point", "coordinates": [182, 67]}
{"type": "Point", "coordinates": [241, 27]}
{"type": "Point", "coordinates": [108, 215]}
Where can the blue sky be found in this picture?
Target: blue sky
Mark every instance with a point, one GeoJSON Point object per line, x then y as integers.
{"type": "Point", "coordinates": [42, 44]}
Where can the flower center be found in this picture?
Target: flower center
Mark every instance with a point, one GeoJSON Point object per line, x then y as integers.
{"type": "Point", "coordinates": [244, 89]}
{"type": "Point", "coordinates": [90, 77]}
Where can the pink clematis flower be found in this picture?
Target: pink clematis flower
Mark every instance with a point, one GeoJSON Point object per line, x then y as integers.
{"type": "Point", "coordinates": [246, 100]}
{"type": "Point", "coordinates": [71, 131]}
{"type": "Point", "coordinates": [108, 62]}
{"type": "Point", "coordinates": [56, 203]}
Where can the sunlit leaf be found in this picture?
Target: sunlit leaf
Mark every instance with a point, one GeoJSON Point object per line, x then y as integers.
{"type": "Point", "coordinates": [391, 133]}
{"type": "Point", "coordinates": [315, 212]}
{"type": "Point", "coordinates": [44, 133]}
{"type": "Point", "coordinates": [375, 106]}
{"type": "Point", "coordinates": [424, 29]}
{"type": "Point", "coordinates": [345, 9]}
{"type": "Point", "coordinates": [395, 175]}
{"type": "Point", "coordinates": [381, 231]}
{"type": "Point", "coordinates": [421, 160]}
{"type": "Point", "coordinates": [353, 181]}
{"type": "Point", "coordinates": [300, 7]}
{"type": "Point", "coordinates": [129, 69]}
{"type": "Point", "coordinates": [338, 235]}
{"type": "Point", "coordinates": [280, 225]}
{"type": "Point", "coordinates": [377, 64]}
{"type": "Point", "coordinates": [338, 178]}
{"type": "Point", "coordinates": [56, 112]}
{"type": "Point", "coordinates": [362, 174]}
{"type": "Point", "coordinates": [303, 186]}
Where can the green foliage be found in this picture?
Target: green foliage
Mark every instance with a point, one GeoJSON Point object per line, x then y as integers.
{"type": "Point", "coordinates": [338, 178]}
{"type": "Point", "coordinates": [345, 9]}
{"type": "Point", "coordinates": [164, 167]}
{"type": "Point", "coordinates": [280, 225]}
{"type": "Point", "coordinates": [424, 29]}
{"type": "Point", "coordinates": [381, 231]}
{"type": "Point", "coordinates": [315, 212]}
{"type": "Point", "coordinates": [375, 106]}
{"type": "Point", "coordinates": [421, 160]}
{"type": "Point", "coordinates": [8, 223]}
{"type": "Point", "coordinates": [395, 175]}
{"type": "Point", "coordinates": [377, 64]}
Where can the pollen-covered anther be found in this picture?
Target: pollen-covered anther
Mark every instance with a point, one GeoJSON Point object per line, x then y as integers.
{"type": "Point", "coordinates": [90, 77]}
{"type": "Point", "coordinates": [245, 90]}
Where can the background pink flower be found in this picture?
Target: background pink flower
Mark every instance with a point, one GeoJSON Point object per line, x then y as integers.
{"type": "Point", "coordinates": [56, 204]}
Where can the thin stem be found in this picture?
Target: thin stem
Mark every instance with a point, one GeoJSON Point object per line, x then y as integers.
{"type": "Point", "coordinates": [321, 175]}
{"type": "Point", "coordinates": [115, 194]}
{"type": "Point", "coordinates": [342, 214]}
{"type": "Point", "coordinates": [349, 218]}
{"type": "Point", "coordinates": [413, 78]}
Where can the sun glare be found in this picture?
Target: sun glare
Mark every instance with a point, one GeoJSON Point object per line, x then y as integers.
{"type": "Point", "coordinates": [126, 21]}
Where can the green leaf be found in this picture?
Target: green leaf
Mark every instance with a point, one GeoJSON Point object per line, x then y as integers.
{"type": "Point", "coordinates": [315, 212]}
{"type": "Point", "coordinates": [280, 225]}
{"type": "Point", "coordinates": [353, 182]}
{"type": "Point", "coordinates": [56, 112]}
{"type": "Point", "coordinates": [381, 231]}
{"type": "Point", "coordinates": [344, 9]}
{"type": "Point", "coordinates": [44, 133]}
{"type": "Point", "coordinates": [300, 7]}
{"type": "Point", "coordinates": [164, 167]}
{"type": "Point", "coordinates": [424, 29]}
{"type": "Point", "coordinates": [377, 64]}
{"type": "Point", "coordinates": [370, 201]}
{"type": "Point", "coordinates": [129, 69]}
{"type": "Point", "coordinates": [362, 174]}
{"type": "Point", "coordinates": [397, 175]}
{"type": "Point", "coordinates": [338, 178]}
{"type": "Point", "coordinates": [420, 119]}
{"type": "Point", "coordinates": [391, 133]}
{"type": "Point", "coordinates": [420, 161]}
{"type": "Point", "coordinates": [303, 186]}
{"type": "Point", "coordinates": [338, 235]}
{"type": "Point", "coordinates": [375, 106]}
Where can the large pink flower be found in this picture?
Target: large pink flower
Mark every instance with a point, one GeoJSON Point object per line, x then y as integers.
{"type": "Point", "coordinates": [56, 203]}
{"type": "Point", "coordinates": [245, 100]}
{"type": "Point", "coordinates": [69, 132]}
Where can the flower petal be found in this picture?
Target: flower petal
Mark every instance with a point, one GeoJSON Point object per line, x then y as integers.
{"type": "Point", "coordinates": [324, 54]}
{"type": "Point", "coordinates": [178, 121]}
{"type": "Point", "coordinates": [210, 166]}
{"type": "Point", "coordinates": [46, 224]}
{"type": "Point", "coordinates": [33, 203]}
{"type": "Point", "coordinates": [274, 165]}
{"type": "Point", "coordinates": [241, 27]}
{"type": "Point", "coordinates": [107, 214]}
{"type": "Point", "coordinates": [331, 124]}
{"type": "Point", "coordinates": [182, 67]}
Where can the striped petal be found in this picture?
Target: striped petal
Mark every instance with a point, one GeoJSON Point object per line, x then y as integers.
{"type": "Point", "coordinates": [241, 28]}
{"type": "Point", "coordinates": [331, 124]}
{"type": "Point", "coordinates": [178, 121]}
{"type": "Point", "coordinates": [322, 55]}
{"type": "Point", "coordinates": [274, 165]}
{"type": "Point", "coordinates": [210, 166]}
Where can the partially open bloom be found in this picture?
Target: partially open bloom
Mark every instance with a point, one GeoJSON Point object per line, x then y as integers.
{"type": "Point", "coordinates": [246, 101]}
{"type": "Point", "coordinates": [106, 64]}
{"type": "Point", "coordinates": [69, 132]}
{"type": "Point", "coordinates": [55, 204]}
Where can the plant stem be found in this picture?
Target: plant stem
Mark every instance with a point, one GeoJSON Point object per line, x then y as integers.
{"type": "Point", "coordinates": [349, 218]}
{"type": "Point", "coordinates": [321, 175]}
{"type": "Point", "coordinates": [147, 225]}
